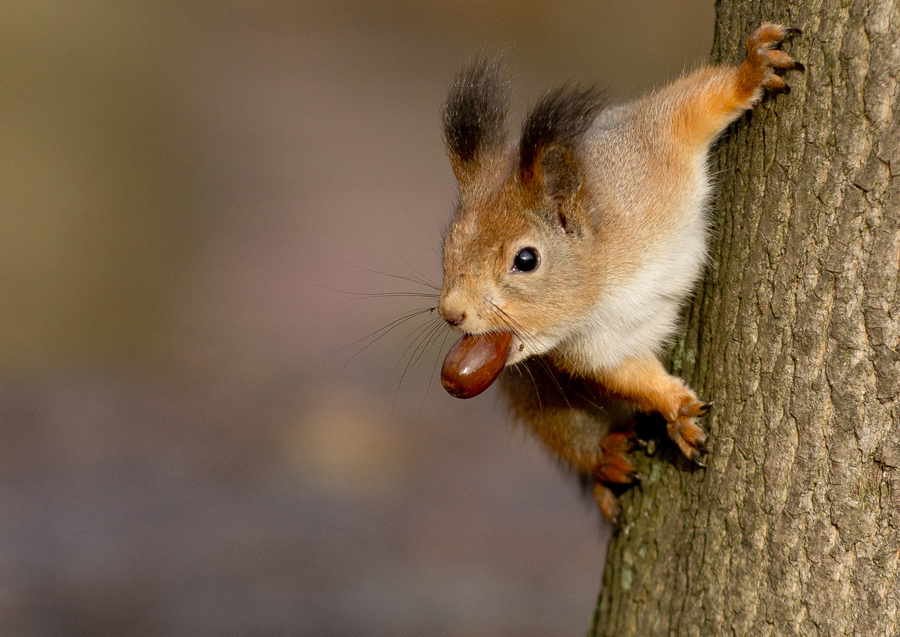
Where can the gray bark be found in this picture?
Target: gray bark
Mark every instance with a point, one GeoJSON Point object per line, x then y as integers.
{"type": "Point", "coordinates": [794, 527]}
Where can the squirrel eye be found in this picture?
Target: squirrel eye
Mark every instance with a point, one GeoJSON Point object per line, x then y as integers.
{"type": "Point", "coordinates": [527, 259]}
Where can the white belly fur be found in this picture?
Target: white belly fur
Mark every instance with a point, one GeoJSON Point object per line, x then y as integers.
{"type": "Point", "coordinates": [638, 317]}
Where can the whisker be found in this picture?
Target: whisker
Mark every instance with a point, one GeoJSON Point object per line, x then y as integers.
{"type": "Point", "coordinates": [398, 276]}
{"type": "Point", "coordinates": [537, 392]}
{"type": "Point", "coordinates": [419, 341]}
{"type": "Point", "coordinates": [552, 374]}
{"type": "Point", "coordinates": [382, 332]}
{"type": "Point", "coordinates": [422, 278]}
{"type": "Point", "coordinates": [432, 335]}
{"type": "Point", "coordinates": [428, 247]}
{"type": "Point", "coordinates": [434, 369]}
{"type": "Point", "coordinates": [424, 231]}
{"type": "Point", "coordinates": [514, 325]}
{"type": "Point", "coordinates": [413, 337]}
{"type": "Point", "coordinates": [361, 296]}
{"type": "Point", "coordinates": [387, 328]}
{"type": "Point", "coordinates": [423, 344]}
{"type": "Point", "coordinates": [378, 295]}
{"type": "Point", "coordinates": [522, 333]}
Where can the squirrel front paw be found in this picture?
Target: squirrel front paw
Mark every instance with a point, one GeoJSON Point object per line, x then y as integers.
{"type": "Point", "coordinates": [684, 430]}
{"type": "Point", "coordinates": [646, 383]}
{"type": "Point", "coordinates": [757, 72]}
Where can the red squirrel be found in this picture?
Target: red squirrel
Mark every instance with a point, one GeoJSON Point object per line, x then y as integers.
{"type": "Point", "coordinates": [579, 244]}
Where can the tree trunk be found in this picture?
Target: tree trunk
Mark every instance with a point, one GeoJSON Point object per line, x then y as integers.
{"type": "Point", "coordinates": [794, 527]}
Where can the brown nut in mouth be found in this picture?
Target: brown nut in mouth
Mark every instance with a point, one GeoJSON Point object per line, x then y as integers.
{"type": "Point", "coordinates": [474, 363]}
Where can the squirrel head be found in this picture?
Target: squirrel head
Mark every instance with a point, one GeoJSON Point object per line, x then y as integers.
{"type": "Point", "coordinates": [514, 254]}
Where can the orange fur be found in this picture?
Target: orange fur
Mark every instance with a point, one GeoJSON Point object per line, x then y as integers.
{"type": "Point", "coordinates": [715, 96]}
{"type": "Point", "coordinates": [607, 502]}
{"type": "Point", "coordinates": [614, 465]}
{"type": "Point", "coordinates": [645, 382]}
{"type": "Point", "coordinates": [613, 201]}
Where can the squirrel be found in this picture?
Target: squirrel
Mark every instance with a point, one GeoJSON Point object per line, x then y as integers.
{"type": "Point", "coordinates": [584, 240]}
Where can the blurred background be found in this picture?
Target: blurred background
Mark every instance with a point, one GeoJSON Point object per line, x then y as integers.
{"type": "Point", "coordinates": [193, 438]}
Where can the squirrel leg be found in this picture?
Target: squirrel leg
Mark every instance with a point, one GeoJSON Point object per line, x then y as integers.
{"type": "Point", "coordinates": [708, 100]}
{"type": "Point", "coordinates": [645, 382]}
{"type": "Point", "coordinates": [613, 467]}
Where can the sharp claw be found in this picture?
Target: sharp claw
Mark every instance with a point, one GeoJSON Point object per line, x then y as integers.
{"type": "Point", "coordinates": [639, 442]}
{"type": "Point", "coordinates": [696, 454]}
{"type": "Point", "coordinates": [637, 477]}
{"type": "Point", "coordinates": [705, 407]}
{"type": "Point", "coordinates": [788, 31]}
{"type": "Point", "coordinates": [798, 66]}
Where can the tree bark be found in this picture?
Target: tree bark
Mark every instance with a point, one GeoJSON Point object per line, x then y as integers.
{"type": "Point", "coordinates": [794, 526]}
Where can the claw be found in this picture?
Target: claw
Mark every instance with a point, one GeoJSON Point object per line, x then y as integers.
{"type": "Point", "coordinates": [789, 31]}
{"type": "Point", "coordinates": [613, 464]}
{"type": "Point", "coordinates": [705, 407]}
{"type": "Point", "coordinates": [695, 458]}
{"type": "Point", "coordinates": [798, 66]}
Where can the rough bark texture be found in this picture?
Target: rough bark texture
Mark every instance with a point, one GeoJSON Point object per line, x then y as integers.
{"type": "Point", "coordinates": [794, 527]}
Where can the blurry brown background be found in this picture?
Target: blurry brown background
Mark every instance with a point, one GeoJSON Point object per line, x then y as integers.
{"type": "Point", "coordinates": [184, 448]}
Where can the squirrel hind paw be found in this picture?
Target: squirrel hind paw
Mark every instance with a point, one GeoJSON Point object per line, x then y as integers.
{"type": "Point", "coordinates": [608, 503]}
{"type": "Point", "coordinates": [614, 465]}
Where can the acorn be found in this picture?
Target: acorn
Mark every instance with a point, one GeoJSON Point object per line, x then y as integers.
{"type": "Point", "coordinates": [474, 363]}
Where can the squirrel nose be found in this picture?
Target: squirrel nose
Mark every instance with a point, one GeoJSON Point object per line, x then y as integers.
{"type": "Point", "coordinates": [452, 315]}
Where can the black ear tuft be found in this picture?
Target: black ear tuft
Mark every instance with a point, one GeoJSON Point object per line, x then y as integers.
{"type": "Point", "coordinates": [475, 113]}
{"type": "Point", "coordinates": [555, 125]}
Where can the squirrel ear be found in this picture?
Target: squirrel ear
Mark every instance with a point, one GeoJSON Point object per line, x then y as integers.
{"type": "Point", "coordinates": [560, 180]}
{"type": "Point", "coordinates": [560, 173]}
{"type": "Point", "coordinates": [547, 161]}
{"type": "Point", "coordinates": [474, 116]}
{"type": "Point", "coordinates": [549, 168]}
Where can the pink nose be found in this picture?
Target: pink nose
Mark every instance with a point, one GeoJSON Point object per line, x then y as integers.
{"type": "Point", "coordinates": [452, 316]}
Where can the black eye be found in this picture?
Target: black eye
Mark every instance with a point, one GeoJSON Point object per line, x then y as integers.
{"type": "Point", "coordinates": [527, 259]}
